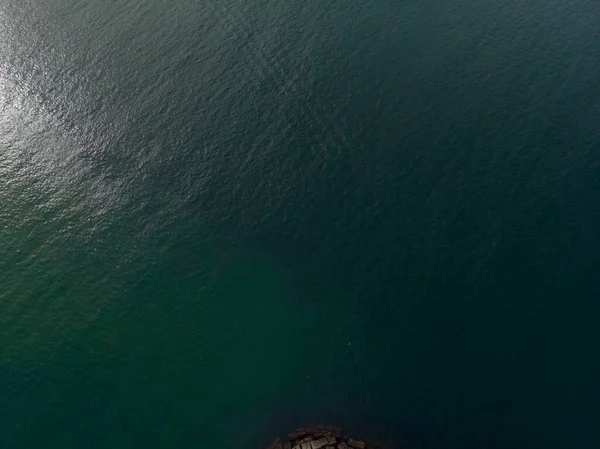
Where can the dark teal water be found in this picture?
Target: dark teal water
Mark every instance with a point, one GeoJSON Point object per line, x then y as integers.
{"type": "Point", "coordinates": [223, 218]}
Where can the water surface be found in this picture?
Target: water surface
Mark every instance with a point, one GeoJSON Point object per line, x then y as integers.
{"type": "Point", "coordinates": [220, 219]}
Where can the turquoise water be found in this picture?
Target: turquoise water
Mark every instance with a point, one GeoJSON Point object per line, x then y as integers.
{"type": "Point", "coordinates": [223, 219]}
